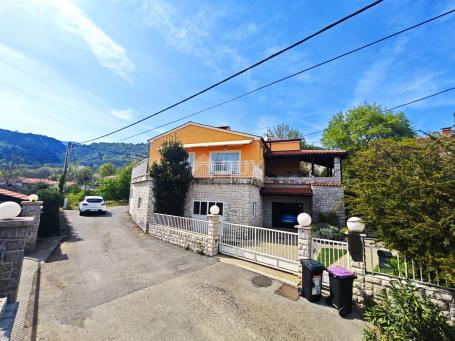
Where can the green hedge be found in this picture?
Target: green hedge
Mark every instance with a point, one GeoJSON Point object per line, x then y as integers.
{"type": "Point", "coordinates": [50, 219]}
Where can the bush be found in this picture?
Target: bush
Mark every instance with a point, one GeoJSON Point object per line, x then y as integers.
{"type": "Point", "coordinates": [404, 315]}
{"type": "Point", "coordinates": [50, 218]}
{"type": "Point", "coordinates": [326, 231]}
{"type": "Point", "coordinates": [117, 188]}
{"type": "Point", "coordinates": [330, 218]}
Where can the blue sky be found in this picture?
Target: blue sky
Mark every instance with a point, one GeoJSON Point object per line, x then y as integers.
{"type": "Point", "coordinates": [75, 69]}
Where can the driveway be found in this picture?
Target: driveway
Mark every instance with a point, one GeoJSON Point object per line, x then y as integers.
{"type": "Point", "coordinates": [109, 281]}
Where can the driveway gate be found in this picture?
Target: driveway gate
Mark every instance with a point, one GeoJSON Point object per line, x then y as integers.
{"type": "Point", "coordinates": [274, 248]}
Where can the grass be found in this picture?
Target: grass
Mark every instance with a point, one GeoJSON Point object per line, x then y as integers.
{"type": "Point", "coordinates": [328, 253]}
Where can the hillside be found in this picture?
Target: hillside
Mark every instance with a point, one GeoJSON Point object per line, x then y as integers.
{"type": "Point", "coordinates": [32, 150]}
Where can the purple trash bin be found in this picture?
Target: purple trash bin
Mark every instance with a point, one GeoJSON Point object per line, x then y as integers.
{"type": "Point", "coordinates": [341, 281]}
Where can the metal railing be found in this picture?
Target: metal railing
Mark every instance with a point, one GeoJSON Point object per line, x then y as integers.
{"type": "Point", "coordinates": [181, 223]}
{"type": "Point", "coordinates": [380, 260]}
{"type": "Point", "coordinates": [276, 243]}
{"type": "Point", "coordinates": [225, 169]}
{"type": "Point", "coordinates": [331, 252]}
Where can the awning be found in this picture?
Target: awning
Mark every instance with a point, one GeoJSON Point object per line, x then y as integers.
{"type": "Point", "coordinates": [293, 190]}
{"type": "Point", "coordinates": [214, 144]}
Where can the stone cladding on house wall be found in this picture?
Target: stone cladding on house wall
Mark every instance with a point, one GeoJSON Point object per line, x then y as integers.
{"type": "Point", "coordinates": [237, 196]}
{"type": "Point", "coordinates": [141, 202]}
{"type": "Point", "coordinates": [327, 199]}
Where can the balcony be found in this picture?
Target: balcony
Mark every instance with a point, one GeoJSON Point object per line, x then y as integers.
{"type": "Point", "coordinates": [227, 169]}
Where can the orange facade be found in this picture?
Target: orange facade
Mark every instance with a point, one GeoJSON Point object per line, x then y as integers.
{"type": "Point", "coordinates": [204, 140]}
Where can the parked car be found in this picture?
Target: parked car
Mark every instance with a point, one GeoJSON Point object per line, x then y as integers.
{"type": "Point", "coordinates": [288, 219]}
{"type": "Point", "coordinates": [92, 204]}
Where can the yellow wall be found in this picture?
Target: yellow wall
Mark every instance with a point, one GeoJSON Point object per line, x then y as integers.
{"type": "Point", "coordinates": [197, 134]}
{"type": "Point", "coordinates": [284, 145]}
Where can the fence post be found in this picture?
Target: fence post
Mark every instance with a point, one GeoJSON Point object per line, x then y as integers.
{"type": "Point", "coordinates": [31, 209]}
{"type": "Point", "coordinates": [214, 234]}
{"type": "Point", "coordinates": [356, 252]}
{"type": "Point", "coordinates": [304, 239]}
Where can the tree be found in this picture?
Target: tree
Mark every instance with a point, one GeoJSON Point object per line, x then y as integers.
{"type": "Point", "coordinates": [171, 178]}
{"type": "Point", "coordinates": [282, 131]}
{"type": "Point", "coordinates": [405, 191]}
{"type": "Point", "coordinates": [84, 177]}
{"type": "Point", "coordinates": [117, 188]}
{"type": "Point", "coordinates": [363, 124]}
{"type": "Point", "coordinates": [106, 169]}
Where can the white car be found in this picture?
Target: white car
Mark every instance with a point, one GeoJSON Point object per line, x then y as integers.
{"type": "Point", "coordinates": [92, 204]}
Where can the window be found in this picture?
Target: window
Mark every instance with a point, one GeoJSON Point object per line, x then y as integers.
{"type": "Point", "coordinates": [203, 207]}
{"type": "Point", "coordinates": [139, 202]}
{"type": "Point", "coordinates": [254, 209]}
{"type": "Point", "coordinates": [223, 163]}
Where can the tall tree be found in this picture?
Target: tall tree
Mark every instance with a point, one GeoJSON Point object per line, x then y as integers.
{"type": "Point", "coordinates": [283, 131]}
{"type": "Point", "coordinates": [171, 178]}
{"type": "Point", "coordinates": [84, 177]}
{"type": "Point", "coordinates": [405, 191]}
{"type": "Point", "coordinates": [107, 169]}
{"type": "Point", "coordinates": [363, 124]}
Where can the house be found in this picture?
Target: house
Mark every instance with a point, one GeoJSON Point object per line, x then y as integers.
{"type": "Point", "coordinates": [254, 181]}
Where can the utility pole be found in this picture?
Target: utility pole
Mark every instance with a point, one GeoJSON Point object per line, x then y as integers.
{"type": "Point", "coordinates": [65, 167]}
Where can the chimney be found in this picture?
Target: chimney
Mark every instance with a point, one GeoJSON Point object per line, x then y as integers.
{"type": "Point", "coordinates": [225, 127]}
{"type": "Point", "coordinates": [446, 131]}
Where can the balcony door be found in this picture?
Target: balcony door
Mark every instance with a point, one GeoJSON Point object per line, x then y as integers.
{"type": "Point", "coordinates": [225, 163]}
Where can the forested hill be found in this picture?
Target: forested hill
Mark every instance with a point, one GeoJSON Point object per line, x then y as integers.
{"type": "Point", "coordinates": [38, 150]}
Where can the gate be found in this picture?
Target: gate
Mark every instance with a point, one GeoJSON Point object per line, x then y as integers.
{"type": "Point", "coordinates": [273, 248]}
{"type": "Point", "coordinates": [330, 253]}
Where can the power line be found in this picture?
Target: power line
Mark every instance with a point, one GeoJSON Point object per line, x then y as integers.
{"type": "Point", "coordinates": [326, 28]}
{"type": "Point", "coordinates": [296, 74]}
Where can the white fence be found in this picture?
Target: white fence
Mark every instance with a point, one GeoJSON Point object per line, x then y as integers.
{"type": "Point", "coordinates": [265, 246]}
{"type": "Point", "coordinates": [331, 252]}
{"type": "Point", "coordinates": [382, 261]}
{"type": "Point", "coordinates": [181, 223]}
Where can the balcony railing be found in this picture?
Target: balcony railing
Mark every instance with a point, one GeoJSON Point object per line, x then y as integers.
{"type": "Point", "coordinates": [226, 169]}
{"type": "Point", "coordinates": [223, 169]}
{"type": "Point", "coordinates": [299, 180]}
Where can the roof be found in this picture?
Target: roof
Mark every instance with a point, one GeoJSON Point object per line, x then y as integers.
{"type": "Point", "coordinates": [309, 152]}
{"type": "Point", "coordinates": [15, 195]}
{"type": "Point", "coordinates": [287, 190]}
{"type": "Point", "coordinates": [256, 137]}
{"type": "Point", "coordinates": [283, 140]}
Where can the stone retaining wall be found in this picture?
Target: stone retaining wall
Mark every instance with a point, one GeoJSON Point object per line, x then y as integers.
{"type": "Point", "coordinates": [443, 298]}
{"type": "Point", "coordinates": [206, 244]}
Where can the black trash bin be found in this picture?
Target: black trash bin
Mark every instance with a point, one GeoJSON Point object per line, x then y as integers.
{"type": "Point", "coordinates": [340, 280]}
{"type": "Point", "coordinates": [311, 279]}
{"type": "Point", "coordinates": [385, 260]}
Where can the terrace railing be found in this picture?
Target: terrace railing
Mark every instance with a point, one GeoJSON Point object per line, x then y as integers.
{"type": "Point", "coordinates": [181, 223]}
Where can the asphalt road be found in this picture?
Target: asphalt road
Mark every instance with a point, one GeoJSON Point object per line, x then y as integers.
{"type": "Point", "coordinates": [109, 281]}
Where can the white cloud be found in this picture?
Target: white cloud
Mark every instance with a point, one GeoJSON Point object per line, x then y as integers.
{"type": "Point", "coordinates": [35, 98]}
{"type": "Point", "coordinates": [109, 54]}
{"type": "Point", "coordinates": [126, 114]}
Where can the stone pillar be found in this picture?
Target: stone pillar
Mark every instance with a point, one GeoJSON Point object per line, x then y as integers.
{"type": "Point", "coordinates": [337, 168]}
{"type": "Point", "coordinates": [356, 248]}
{"type": "Point", "coordinates": [305, 237]}
{"type": "Point", "coordinates": [214, 234]}
{"type": "Point", "coordinates": [31, 209]}
{"type": "Point", "coordinates": [12, 241]}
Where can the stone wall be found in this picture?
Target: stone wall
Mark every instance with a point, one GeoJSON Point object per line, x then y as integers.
{"type": "Point", "coordinates": [269, 199]}
{"type": "Point", "coordinates": [12, 241]}
{"type": "Point", "coordinates": [326, 199]}
{"type": "Point", "coordinates": [237, 196]}
{"type": "Point", "coordinates": [206, 244]}
{"type": "Point", "coordinates": [443, 298]}
{"type": "Point", "coordinates": [31, 209]}
{"type": "Point", "coordinates": [141, 202]}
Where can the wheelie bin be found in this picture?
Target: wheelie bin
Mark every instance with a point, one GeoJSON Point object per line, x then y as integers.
{"type": "Point", "coordinates": [341, 281]}
{"type": "Point", "coordinates": [311, 279]}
